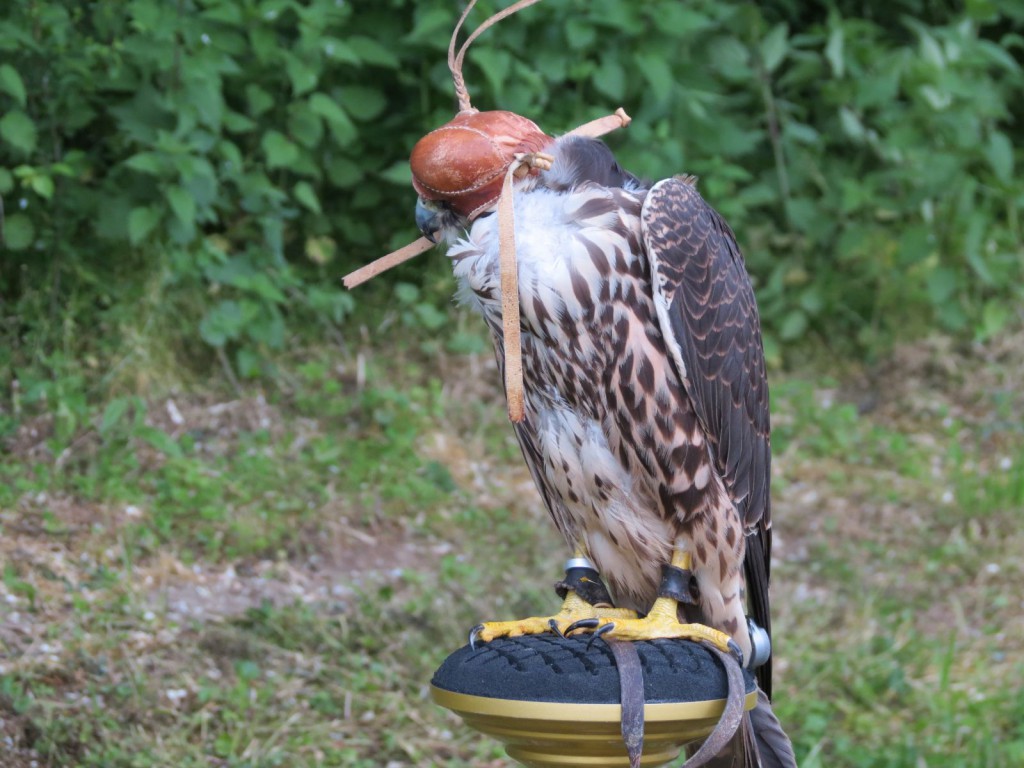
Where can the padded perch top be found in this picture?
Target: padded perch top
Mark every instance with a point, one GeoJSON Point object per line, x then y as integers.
{"type": "Point", "coordinates": [553, 669]}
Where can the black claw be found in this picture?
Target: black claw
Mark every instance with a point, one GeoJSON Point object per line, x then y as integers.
{"type": "Point", "coordinates": [600, 631]}
{"type": "Point", "coordinates": [554, 628]}
{"type": "Point", "coordinates": [581, 624]}
{"type": "Point", "coordinates": [473, 634]}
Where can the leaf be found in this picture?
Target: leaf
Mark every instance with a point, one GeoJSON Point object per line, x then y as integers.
{"type": "Point", "coordinates": [834, 51]}
{"type": "Point", "coordinates": [931, 51]}
{"type": "Point", "coordinates": [226, 13]}
{"type": "Point", "coordinates": [994, 317]}
{"type": "Point", "coordinates": [951, 316]}
{"type": "Point", "coordinates": [398, 173]}
{"type": "Point", "coordinates": [141, 222]}
{"type": "Point", "coordinates": [610, 79]}
{"type": "Point", "coordinates": [304, 125]}
{"type": "Point", "coordinates": [430, 317]}
{"type": "Point", "coordinates": [265, 45]}
{"type": "Point", "coordinates": [266, 327]}
{"type": "Point", "coordinates": [281, 151]}
{"type": "Point", "coordinates": [496, 65]}
{"type": "Point", "coordinates": [800, 132]}
{"type": "Point", "coordinates": [151, 163]}
{"type": "Point", "coordinates": [852, 126]}
{"type": "Point", "coordinates": [372, 52]}
{"type": "Point", "coordinates": [159, 440]}
{"type": "Point", "coordinates": [657, 73]}
{"type": "Point", "coordinates": [343, 172]}
{"type": "Point", "coordinates": [915, 245]}
{"type": "Point", "coordinates": [302, 76]}
{"type": "Point", "coordinates": [429, 24]}
{"type": "Point", "coordinates": [42, 186]}
{"type": "Point", "coordinates": [182, 204]}
{"type": "Point", "coordinates": [1000, 55]}
{"type": "Point", "coordinates": [223, 323]}
{"type": "Point", "coordinates": [18, 232]}
{"type": "Point", "coordinates": [793, 325]}
{"type": "Point", "coordinates": [260, 285]}
{"type": "Point", "coordinates": [338, 50]}
{"type": "Point", "coordinates": [6, 181]}
{"type": "Point", "coordinates": [362, 102]}
{"type": "Point", "coordinates": [940, 283]}
{"type": "Point", "coordinates": [939, 100]}
{"type": "Point", "coordinates": [580, 33]}
{"type": "Point", "coordinates": [774, 47]}
{"type": "Point", "coordinates": [249, 364]}
{"type": "Point", "coordinates": [11, 83]}
{"type": "Point", "coordinates": [811, 300]}
{"type": "Point", "coordinates": [304, 194]}
{"type": "Point", "coordinates": [258, 99]}
{"type": "Point", "coordinates": [237, 122]}
{"type": "Point", "coordinates": [339, 123]}
{"type": "Point", "coordinates": [406, 293]}
{"type": "Point", "coordinates": [113, 414]}
{"type": "Point", "coordinates": [321, 250]}
{"type": "Point", "coordinates": [977, 228]}
{"type": "Point", "coordinates": [18, 130]}
{"type": "Point", "coordinates": [999, 153]}
{"type": "Point", "coordinates": [203, 94]}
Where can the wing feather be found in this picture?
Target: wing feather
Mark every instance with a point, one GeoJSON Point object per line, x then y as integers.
{"type": "Point", "coordinates": [708, 315]}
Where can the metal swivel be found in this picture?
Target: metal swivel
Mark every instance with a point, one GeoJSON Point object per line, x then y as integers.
{"type": "Point", "coordinates": [760, 644]}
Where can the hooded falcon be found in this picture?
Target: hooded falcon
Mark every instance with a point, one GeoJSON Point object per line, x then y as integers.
{"type": "Point", "coordinates": [645, 402]}
{"type": "Point", "coordinates": [626, 330]}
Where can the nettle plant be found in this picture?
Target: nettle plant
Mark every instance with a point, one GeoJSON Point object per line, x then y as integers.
{"type": "Point", "coordinates": [225, 150]}
{"type": "Point", "coordinates": [221, 163]}
{"type": "Point", "coordinates": [900, 178]}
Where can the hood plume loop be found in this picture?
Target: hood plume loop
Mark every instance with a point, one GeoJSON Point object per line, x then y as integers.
{"type": "Point", "coordinates": [455, 59]}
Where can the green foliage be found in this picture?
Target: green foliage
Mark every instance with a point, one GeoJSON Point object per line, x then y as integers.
{"type": "Point", "coordinates": [228, 160]}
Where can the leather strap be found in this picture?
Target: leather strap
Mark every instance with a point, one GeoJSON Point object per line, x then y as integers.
{"type": "Point", "coordinates": [631, 697]}
{"type": "Point", "coordinates": [731, 717]}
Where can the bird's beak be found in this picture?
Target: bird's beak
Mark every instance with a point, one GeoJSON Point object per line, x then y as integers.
{"type": "Point", "coordinates": [428, 215]}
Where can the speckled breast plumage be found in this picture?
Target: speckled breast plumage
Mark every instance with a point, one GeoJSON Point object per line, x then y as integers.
{"type": "Point", "coordinates": [610, 435]}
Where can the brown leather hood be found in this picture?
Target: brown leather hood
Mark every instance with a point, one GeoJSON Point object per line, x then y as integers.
{"type": "Point", "coordinates": [465, 160]}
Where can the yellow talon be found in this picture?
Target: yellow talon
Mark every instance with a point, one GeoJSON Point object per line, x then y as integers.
{"type": "Point", "coordinates": [574, 609]}
{"type": "Point", "coordinates": [576, 614]}
{"type": "Point", "coordinates": [662, 623]}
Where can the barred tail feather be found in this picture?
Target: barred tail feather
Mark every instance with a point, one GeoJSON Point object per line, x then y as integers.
{"type": "Point", "coordinates": [771, 743]}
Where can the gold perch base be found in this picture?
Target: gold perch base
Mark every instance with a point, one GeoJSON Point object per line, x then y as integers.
{"type": "Point", "coordinates": [542, 734]}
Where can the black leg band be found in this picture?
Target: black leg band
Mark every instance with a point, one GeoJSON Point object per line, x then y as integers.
{"type": "Point", "coordinates": [585, 582]}
{"type": "Point", "coordinates": [678, 584]}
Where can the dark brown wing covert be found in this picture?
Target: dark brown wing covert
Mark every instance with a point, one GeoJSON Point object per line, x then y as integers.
{"type": "Point", "coordinates": [709, 317]}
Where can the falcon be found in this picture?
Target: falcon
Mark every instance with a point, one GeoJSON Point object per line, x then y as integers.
{"type": "Point", "coordinates": [645, 420]}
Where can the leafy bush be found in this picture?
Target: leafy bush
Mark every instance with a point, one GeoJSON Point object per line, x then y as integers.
{"type": "Point", "coordinates": [211, 167]}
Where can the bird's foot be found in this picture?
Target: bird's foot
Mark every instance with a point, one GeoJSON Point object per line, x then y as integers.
{"type": "Point", "coordinates": [660, 623]}
{"type": "Point", "coordinates": [574, 615]}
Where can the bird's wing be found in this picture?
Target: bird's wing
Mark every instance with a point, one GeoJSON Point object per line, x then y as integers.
{"type": "Point", "coordinates": [709, 319]}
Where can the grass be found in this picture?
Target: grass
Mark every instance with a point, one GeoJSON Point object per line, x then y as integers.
{"type": "Point", "coordinates": [270, 578]}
